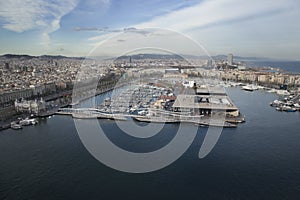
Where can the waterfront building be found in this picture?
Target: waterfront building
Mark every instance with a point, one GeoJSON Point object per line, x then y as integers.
{"type": "Point", "coordinates": [263, 78]}
{"type": "Point", "coordinates": [10, 96]}
{"type": "Point", "coordinates": [32, 106]}
{"type": "Point", "coordinates": [205, 102]}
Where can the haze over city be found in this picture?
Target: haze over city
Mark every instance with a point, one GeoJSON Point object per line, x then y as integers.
{"type": "Point", "coordinates": [73, 28]}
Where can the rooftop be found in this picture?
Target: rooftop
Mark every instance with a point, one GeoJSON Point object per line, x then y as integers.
{"type": "Point", "coordinates": [214, 102]}
{"type": "Point", "coordinates": [210, 90]}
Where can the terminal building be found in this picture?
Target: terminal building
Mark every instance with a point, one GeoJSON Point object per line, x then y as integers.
{"type": "Point", "coordinates": [205, 102]}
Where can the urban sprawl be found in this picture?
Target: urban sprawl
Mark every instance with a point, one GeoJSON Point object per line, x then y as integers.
{"type": "Point", "coordinates": [38, 85]}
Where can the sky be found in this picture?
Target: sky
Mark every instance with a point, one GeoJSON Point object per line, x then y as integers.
{"type": "Point", "coordinates": [261, 28]}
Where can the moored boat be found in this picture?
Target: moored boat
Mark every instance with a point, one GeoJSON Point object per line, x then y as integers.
{"type": "Point", "coordinates": [15, 126]}
{"type": "Point", "coordinates": [286, 109]}
{"type": "Point", "coordinates": [250, 88]}
{"type": "Point", "coordinates": [27, 122]}
{"type": "Point", "coordinates": [276, 103]}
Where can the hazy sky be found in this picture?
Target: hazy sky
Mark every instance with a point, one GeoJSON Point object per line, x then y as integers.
{"type": "Point", "coordinates": [267, 28]}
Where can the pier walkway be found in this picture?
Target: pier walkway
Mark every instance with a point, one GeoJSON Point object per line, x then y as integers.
{"type": "Point", "coordinates": [164, 117]}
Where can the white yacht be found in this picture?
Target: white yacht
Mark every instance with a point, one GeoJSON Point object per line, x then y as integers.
{"type": "Point", "coordinates": [250, 88]}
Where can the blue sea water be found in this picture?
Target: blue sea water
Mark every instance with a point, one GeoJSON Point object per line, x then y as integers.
{"type": "Point", "coordinates": [288, 66]}
{"type": "Point", "coordinates": [259, 159]}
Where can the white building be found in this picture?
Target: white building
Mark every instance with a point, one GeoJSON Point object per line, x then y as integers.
{"type": "Point", "coordinates": [32, 106]}
{"type": "Point", "coordinates": [187, 84]}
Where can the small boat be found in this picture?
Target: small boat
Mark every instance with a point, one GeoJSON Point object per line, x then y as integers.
{"type": "Point", "coordinates": [27, 122]}
{"type": "Point", "coordinates": [260, 87]}
{"type": "Point", "coordinates": [24, 122]}
{"type": "Point", "coordinates": [276, 103]}
{"type": "Point", "coordinates": [297, 105]}
{"type": "Point", "coordinates": [15, 126]}
{"type": "Point", "coordinates": [33, 121]}
{"type": "Point", "coordinates": [286, 109]}
{"type": "Point", "coordinates": [289, 109]}
{"type": "Point", "coordinates": [272, 91]}
{"type": "Point", "coordinates": [283, 92]}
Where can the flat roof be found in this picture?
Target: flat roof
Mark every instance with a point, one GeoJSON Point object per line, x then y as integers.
{"type": "Point", "coordinates": [210, 90]}
{"type": "Point", "coordinates": [216, 102]}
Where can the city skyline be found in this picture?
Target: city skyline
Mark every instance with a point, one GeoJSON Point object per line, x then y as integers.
{"type": "Point", "coordinates": [74, 28]}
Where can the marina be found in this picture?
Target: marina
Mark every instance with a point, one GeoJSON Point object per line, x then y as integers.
{"type": "Point", "coordinates": [287, 104]}
{"type": "Point", "coordinates": [206, 105]}
{"type": "Point", "coordinates": [203, 106]}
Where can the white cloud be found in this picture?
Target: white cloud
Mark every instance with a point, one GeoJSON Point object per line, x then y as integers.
{"type": "Point", "coordinates": [223, 26]}
{"type": "Point", "coordinates": [96, 4]}
{"type": "Point", "coordinates": [212, 12]}
{"type": "Point", "coordinates": [155, 41]}
{"type": "Point", "coordinates": [242, 27]}
{"type": "Point", "coordinates": [24, 15]}
{"type": "Point", "coordinates": [271, 36]}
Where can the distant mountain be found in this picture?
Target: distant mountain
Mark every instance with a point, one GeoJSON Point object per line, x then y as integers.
{"type": "Point", "coordinates": [57, 57]}
{"type": "Point", "coordinates": [149, 56]}
{"type": "Point", "coordinates": [10, 56]}
{"type": "Point", "coordinates": [27, 57]}
{"type": "Point", "coordinates": [139, 57]}
{"type": "Point", "coordinates": [167, 56]}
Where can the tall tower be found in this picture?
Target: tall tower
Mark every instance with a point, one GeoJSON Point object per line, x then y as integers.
{"type": "Point", "coordinates": [6, 65]}
{"type": "Point", "coordinates": [209, 63]}
{"type": "Point", "coordinates": [230, 59]}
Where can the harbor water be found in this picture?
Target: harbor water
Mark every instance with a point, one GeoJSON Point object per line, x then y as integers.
{"type": "Point", "coordinates": [260, 159]}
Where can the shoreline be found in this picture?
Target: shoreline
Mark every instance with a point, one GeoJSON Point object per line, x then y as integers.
{"type": "Point", "coordinates": [6, 124]}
